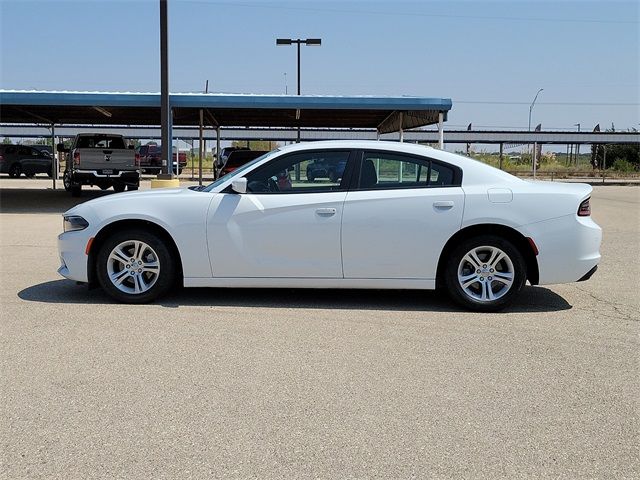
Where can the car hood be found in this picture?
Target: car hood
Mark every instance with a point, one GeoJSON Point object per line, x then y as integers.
{"type": "Point", "coordinates": [132, 197]}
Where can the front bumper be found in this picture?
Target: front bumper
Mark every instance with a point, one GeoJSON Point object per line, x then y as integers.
{"type": "Point", "coordinates": [73, 260]}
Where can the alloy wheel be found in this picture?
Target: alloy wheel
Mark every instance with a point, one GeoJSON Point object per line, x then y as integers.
{"type": "Point", "coordinates": [486, 273]}
{"type": "Point", "coordinates": [133, 267]}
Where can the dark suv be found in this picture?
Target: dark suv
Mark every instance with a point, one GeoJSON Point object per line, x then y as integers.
{"type": "Point", "coordinates": [322, 168]}
{"type": "Point", "coordinates": [237, 158]}
{"type": "Point", "coordinates": [18, 159]}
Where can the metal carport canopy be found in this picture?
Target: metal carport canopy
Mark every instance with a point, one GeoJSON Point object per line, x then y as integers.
{"type": "Point", "coordinates": [387, 114]}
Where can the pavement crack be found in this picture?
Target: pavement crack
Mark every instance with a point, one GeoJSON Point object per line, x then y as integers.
{"type": "Point", "coordinates": [617, 307]}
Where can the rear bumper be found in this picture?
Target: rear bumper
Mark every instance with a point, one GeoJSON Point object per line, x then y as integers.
{"type": "Point", "coordinates": [92, 177]}
{"type": "Point", "coordinates": [569, 248]}
{"type": "Point", "coordinates": [589, 274]}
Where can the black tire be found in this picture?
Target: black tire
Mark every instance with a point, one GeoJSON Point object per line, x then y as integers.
{"type": "Point", "coordinates": [159, 252]}
{"type": "Point", "coordinates": [485, 281]}
{"type": "Point", "coordinates": [131, 188]}
{"type": "Point", "coordinates": [15, 170]}
{"type": "Point", "coordinates": [76, 190]}
{"type": "Point", "coordinates": [29, 174]}
{"type": "Point", "coordinates": [119, 187]}
{"type": "Point", "coordinates": [66, 181]}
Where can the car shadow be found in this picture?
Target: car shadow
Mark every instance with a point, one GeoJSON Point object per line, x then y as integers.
{"type": "Point", "coordinates": [32, 200]}
{"type": "Point", "coordinates": [531, 299]}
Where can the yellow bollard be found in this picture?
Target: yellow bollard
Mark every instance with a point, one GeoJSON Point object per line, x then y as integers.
{"type": "Point", "coordinates": [158, 183]}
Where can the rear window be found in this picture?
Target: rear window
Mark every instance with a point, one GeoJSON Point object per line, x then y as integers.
{"type": "Point", "coordinates": [101, 141]}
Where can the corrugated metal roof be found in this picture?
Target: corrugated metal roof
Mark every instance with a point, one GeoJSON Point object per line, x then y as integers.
{"type": "Point", "coordinates": [136, 108]}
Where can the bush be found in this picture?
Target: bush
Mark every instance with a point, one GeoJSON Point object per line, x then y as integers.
{"type": "Point", "coordinates": [622, 165]}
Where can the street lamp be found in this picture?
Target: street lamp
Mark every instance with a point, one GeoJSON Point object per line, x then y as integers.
{"type": "Point", "coordinates": [298, 41]}
{"type": "Point", "coordinates": [533, 159]}
{"type": "Point", "coordinates": [531, 107]}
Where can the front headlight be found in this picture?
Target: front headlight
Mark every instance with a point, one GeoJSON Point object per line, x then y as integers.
{"type": "Point", "coordinates": [73, 222]}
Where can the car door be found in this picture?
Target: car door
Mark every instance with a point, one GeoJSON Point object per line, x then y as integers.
{"type": "Point", "coordinates": [284, 226]}
{"type": "Point", "coordinates": [28, 159]}
{"type": "Point", "coordinates": [41, 161]}
{"type": "Point", "coordinates": [399, 216]}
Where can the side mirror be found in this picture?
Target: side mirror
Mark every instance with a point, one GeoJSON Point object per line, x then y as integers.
{"type": "Point", "coordinates": [60, 148]}
{"type": "Point", "coordinates": [239, 185]}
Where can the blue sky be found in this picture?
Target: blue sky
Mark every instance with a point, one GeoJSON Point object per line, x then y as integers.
{"type": "Point", "coordinates": [489, 57]}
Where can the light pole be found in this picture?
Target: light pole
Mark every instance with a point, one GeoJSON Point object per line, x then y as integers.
{"type": "Point", "coordinates": [299, 41]}
{"type": "Point", "coordinates": [531, 107]}
{"type": "Point", "coordinates": [577, 144]}
{"type": "Point", "coordinates": [529, 129]}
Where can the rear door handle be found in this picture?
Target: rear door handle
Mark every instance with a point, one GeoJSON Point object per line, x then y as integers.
{"type": "Point", "coordinates": [443, 204]}
{"type": "Point", "coordinates": [325, 212]}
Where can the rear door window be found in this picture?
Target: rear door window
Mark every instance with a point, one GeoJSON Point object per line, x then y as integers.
{"type": "Point", "coordinates": [390, 171]}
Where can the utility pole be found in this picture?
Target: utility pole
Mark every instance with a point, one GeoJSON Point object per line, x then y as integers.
{"type": "Point", "coordinates": [165, 108]}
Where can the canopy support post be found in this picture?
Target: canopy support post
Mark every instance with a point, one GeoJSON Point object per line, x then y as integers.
{"type": "Point", "coordinates": [217, 148]}
{"type": "Point", "coordinates": [200, 148]}
{"type": "Point", "coordinates": [54, 160]}
{"type": "Point", "coordinates": [440, 131]}
{"type": "Point", "coordinates": [401, 118]}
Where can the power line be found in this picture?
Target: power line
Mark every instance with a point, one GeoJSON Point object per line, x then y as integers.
{"type": "Point", "coordinates": [587, 104]}
{"type": "Point", "coordinates": [416, 14]}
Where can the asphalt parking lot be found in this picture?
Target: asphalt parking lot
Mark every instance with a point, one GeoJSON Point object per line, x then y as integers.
{"type": "Point", "coordinates": [314, 384]}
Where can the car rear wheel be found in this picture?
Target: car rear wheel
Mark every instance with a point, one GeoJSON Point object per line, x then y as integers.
{"type": "Point", "coordinates": [485, 273]}
{"type": "Point", "coordinates": [134, 266]}
{"type": "Point", "coordinates": [119, 187]}
{"type": "Point", "coordinates": [15, 170]}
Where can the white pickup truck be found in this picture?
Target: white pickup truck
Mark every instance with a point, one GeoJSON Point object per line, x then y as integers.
{"type": "Point", "coordinates": [99, 159]}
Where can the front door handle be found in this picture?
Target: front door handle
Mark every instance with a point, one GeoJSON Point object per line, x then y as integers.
{"type": "Point", "coordinates": [325, 212]}
{"type": "Point", "coordinates": [443, 204]}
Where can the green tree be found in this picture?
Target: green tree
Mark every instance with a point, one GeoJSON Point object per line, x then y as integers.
{"type": "Point", "coordinates": [6, 141]}
{"type": "Point", "coordinates": [627, 152]}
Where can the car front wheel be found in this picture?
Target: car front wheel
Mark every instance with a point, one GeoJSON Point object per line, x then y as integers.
{"type": "Point", "coordinates": [135, 266]}
{"type": "Point", "coordinates": [15, 170]}
{"type": "Point", "coordinates": [485, 273]}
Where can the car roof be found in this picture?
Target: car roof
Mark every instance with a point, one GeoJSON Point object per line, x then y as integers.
{"type": "Point", "coordinates": [474, 171]}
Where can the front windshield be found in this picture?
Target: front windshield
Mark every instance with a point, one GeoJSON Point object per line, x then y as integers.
{"type": "Point", "coordinates": [238, 171]}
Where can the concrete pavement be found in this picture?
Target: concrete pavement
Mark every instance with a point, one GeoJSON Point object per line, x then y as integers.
{"type": "Point", "coordinates": [329, 384]}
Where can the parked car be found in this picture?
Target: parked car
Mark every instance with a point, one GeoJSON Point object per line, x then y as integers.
{"type": "Point", "coordinates": [224, 155]}
{"type": "Point", "coordinates": [402, 217]}
{"type": "Point", "coordinates": [24, 159]}
{"type": "Point", "coordinates": [237, 158]}
{"type": "Point", "coordinates": [102, 160]}
{"type": "Point", "coordinates": [323, 168]}
{"type": "Point", "coordinates": [46, 149]}
{"type": "Point", "coordinates": [150, 159]}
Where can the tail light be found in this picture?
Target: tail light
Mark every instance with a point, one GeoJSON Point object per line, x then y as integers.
{"type": "Point", "coordinates": [1, 159]}
{"type": "Point", "coordinates": [584, 210]}
{"type": "Point", "coordinates": [76, 158]}
{"type": "Point", "coordinates": [137, 159]}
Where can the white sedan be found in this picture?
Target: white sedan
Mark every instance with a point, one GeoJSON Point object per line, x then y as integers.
{"type": "Point", "coordinates": [392, 216]}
